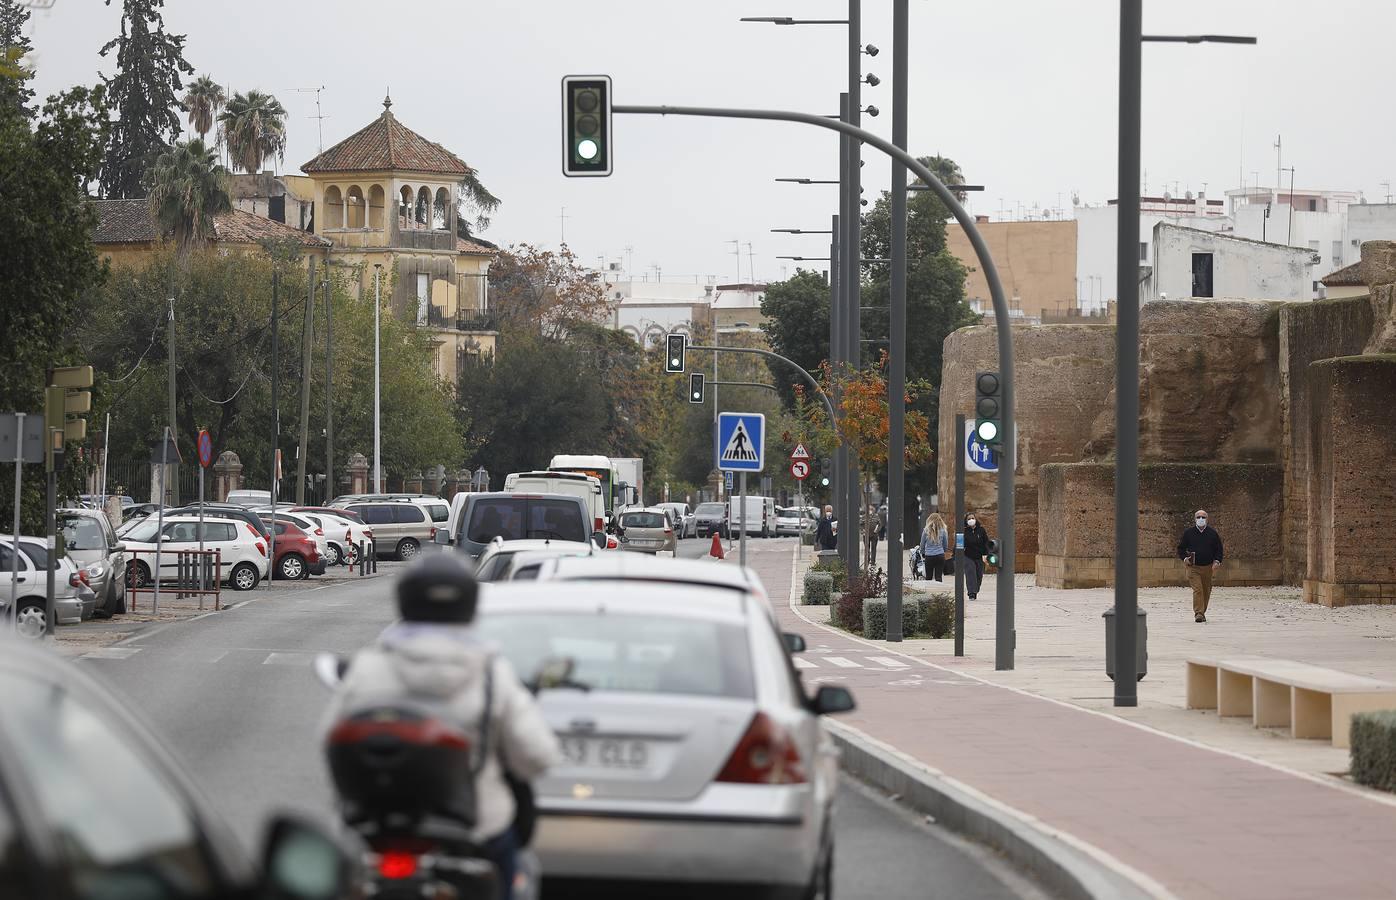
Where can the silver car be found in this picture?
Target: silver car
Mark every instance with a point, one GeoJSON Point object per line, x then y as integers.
{"type": "Point", "coordinates": [647, 531]}
{"type": "Point", "coordinates": [90, 541]}
{"type": "Point", "coordinates": [692, 753]}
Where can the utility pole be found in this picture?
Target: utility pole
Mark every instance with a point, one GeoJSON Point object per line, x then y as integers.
{"type": "Point", "coordinates": [170, 490]}
{"type": "Point", "coordinates": [329, 388]}
{"type": "Point", "coordinates": [896, 376]}
{"type": "Point", "coordinates": [836, 493]}
{"type": "Point", "coordinates": [307, 339]}
{"type": "Point", "coordinates": [377, 384]}
{"type": "Point", "coordinates": [848, 480]}
{"type": "Point", "coordinates": [275, 412]}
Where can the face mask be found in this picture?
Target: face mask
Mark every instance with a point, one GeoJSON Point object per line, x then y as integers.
{"type": "Point", "coordinates": [970, 522]}
{"type": "Point", "coordinates": [1201, 522]}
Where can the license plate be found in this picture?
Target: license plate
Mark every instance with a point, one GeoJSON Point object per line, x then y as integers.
{"type": "Point", "coordinates": [606, 753]}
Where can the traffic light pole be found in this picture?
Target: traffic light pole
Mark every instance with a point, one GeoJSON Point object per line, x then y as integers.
{"type": "Point", "coordinates": [896, 333]}
{"type": "Point", "coordinates": [1003, 651]}
{"type": "Point", "coordinates": [828, 407]}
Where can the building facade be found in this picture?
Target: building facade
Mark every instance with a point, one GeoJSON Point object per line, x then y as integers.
{"type": "Point", "coordinates": [1191, 263]}
{"type": "Point", "coordinates": [1036, 262]}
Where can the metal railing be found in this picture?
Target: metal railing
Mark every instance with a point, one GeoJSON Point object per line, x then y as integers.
{"type": "Point", "coordinates": [197, 574]}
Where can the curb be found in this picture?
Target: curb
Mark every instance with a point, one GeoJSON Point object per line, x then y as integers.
{"type": "Point", "coordinates": [1064, 869]}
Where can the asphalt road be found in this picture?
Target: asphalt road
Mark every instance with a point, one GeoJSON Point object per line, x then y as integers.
{"type": "Point", "coordinates": [234, 697]}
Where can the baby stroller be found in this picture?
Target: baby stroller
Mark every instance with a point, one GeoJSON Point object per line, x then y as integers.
{"type": "Point", "coordinates": [918, 564]}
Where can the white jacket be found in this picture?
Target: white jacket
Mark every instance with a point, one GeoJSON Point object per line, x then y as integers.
{"type": "Point", "coordinates": [442, 668]}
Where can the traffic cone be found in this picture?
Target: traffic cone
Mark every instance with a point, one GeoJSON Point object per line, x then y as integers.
{"type": "Point", "coordinates": [716, 551]}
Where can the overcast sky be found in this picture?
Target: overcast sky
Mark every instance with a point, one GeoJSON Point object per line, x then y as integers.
{"type": "Point", "coordinates": [1022, 93]}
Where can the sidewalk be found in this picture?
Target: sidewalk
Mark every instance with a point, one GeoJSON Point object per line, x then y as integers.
{"type": "Point", "coordinates": [1045, 741]}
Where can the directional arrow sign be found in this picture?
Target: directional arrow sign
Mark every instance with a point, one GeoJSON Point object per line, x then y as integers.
{"type": "Point", "coordinates": [800, 452]}
{"type": "Point", "coordinates": [742, 437]}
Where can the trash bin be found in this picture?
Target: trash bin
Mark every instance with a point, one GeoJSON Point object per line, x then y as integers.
{"type": "Point", "coordinates": [1141, 637]}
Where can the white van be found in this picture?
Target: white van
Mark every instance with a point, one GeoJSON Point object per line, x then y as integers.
{"type": "Point", "coordinates": [573, 484]}
{"type": "Point", "coordinates": [760, 515]}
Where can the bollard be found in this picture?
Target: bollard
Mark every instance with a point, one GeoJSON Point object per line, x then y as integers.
{"type": "Point", "coordinates": [373, 555]}
{"type": "Point", "coordinates": [363, 558]}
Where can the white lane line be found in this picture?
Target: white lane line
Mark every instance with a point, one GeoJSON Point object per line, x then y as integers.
{"type": "Point", "coordinates": [890, 662]}
{"type": "Point", "coordinates": [801, 663]}
{"type": "Point", "coordinates": [288, 659]}
{"type": "Point", "coordinates": [111, 653]}
{"type": "Point", "coordinates": [843, 662]}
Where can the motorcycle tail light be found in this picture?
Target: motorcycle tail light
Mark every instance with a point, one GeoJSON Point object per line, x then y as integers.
{"type": "Point", "coordinates": [397, 865]}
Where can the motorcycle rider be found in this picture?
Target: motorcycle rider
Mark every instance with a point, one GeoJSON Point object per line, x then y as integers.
{"type": "Point", "coordinates": [433, 659]}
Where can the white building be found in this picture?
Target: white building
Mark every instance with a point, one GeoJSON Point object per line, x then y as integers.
{"type": "Point", "coordinates": [736, 308]}
{"type": "Point", "coordinates": [1095, 239]}
{"type": "Point", "coordinates": [1196, 263]}
{"type": "Point", "coordinates": [648, 310]}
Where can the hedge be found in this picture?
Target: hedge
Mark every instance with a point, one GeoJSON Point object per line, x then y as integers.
{"type": "Point", "coordinates": [1374, 749]}
{"type": "Point", "coordinates": [819, 587]}
{"type": "Point", "coordinates": [936, 614]}
{"type": "Point", "coordinates": [875, 619]}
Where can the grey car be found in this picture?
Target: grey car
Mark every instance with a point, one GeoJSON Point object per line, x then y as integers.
{"type": "Point", "coordinates": [400, 527]}
{"type": "Point", "coordinates": [647, 531]}
{"type": "Point", "coordinates": [93, 545]}
{"type": "Point", "coordinates": [710, 518]}
{"type": "Point", "coordinates": [477, 518]}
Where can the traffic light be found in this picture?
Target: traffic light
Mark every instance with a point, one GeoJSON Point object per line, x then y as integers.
{"type": "Point", "coordinates": [824, 472]}
{"type": "Point", "coordinates": [992, 557]}
{"type": "Point", "coordinates": [695, 387]}
{"type": "Point", "coordinates": [988, 408]}
{"type": "Point", "coordinates": [586, 125]}
{"type": "Point", "coordinates": [675, 351]}
{"type": "Point", "coordinates": [66, 396]}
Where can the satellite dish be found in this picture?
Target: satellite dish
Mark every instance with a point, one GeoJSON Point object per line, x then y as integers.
{"type": "Point", "coordinates": [1075, 199]}
{"type": "Point", "coordinates": [1167, 196]}
{"type": "Point", "coordinates": [1189, 195]}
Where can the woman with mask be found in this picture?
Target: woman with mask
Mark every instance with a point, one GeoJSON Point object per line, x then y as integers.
{"type": "Point", "coordinates": [935, 541]}
{"type": "Point", "coordinates": [976, 545]}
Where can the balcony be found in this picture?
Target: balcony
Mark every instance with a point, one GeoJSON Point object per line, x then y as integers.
{"type": "Point", "coordinates": [468, 320]}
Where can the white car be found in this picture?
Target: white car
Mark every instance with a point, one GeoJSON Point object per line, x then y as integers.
{"type": "Point", "coordinates": [305, 523]}
{"type": "Point", "coordinates": [73, 599]}
{"type": "Point", "coordinates": [501, 558]}
{"type": "Point", "coordinates": [242, 557]}
{"type": "Point", "coordinates": [793, 520]}
{"type": "Point", "coordinates": [692, 754]}
{"type": "Point", "coordinates": [342, 536]}
{"type": "Point", "coordinates": [634, 567]}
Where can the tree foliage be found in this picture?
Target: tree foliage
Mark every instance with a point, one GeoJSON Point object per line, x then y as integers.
{"type": "Point", "coordinates": [203, 101]}
{"type": "Point", "coordinates": [188, 187]}
{"type": "Point", "coordinates": [797, 326]}
{"type": "Point", "coordinates": [144, 96]}
{"type": "Point", "coordinates": [544, 292]}
{"type": "Point", "coordinates": [15, 92]}
{"type": "Point", "coordinates": [254, 129]}
{"type": "Point", "coordinates": [475, 206]}
{"type": "Point", "coordinates": [49, 266]}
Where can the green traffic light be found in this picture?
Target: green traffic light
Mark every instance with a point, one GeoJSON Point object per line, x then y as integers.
{"type": "Point", "coordinates": [986, 431]}
{"type": "Point", "coordinates": [587, 149]}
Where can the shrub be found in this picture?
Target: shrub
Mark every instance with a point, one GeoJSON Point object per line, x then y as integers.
{"type": "Point", "coordinates": [1374, 749]}
{"type": "Point", "coordinates": [819, 587]}
{"type": "Point", "coordinates": [834, 566]}
{"type": "Point", "coordinates": [936, 615]}
{"type": "Point", "coordinates": [848, 609]}
{"type": "Point", "coordinates": [875, 618]}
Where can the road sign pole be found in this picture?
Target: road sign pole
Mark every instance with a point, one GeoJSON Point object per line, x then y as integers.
{"type": "Point", "coordinates": [19, 485]}
{"type": "Point", "coordinates": [959, 552]}
{"type": "Point", "coordinates": [742, 516]}
{"type": "Point", "coordinates": [201, 538]}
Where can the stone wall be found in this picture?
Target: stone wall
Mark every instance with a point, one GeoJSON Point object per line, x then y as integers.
{"type": "Point", "coordinates": [1077, 536]}
{"type": "Point", "coordinates": [1064, 376]}
{"type": "Point", "coordinates": [1352, 483]}
{"type": "Point", "coordinates": [1309, 332]}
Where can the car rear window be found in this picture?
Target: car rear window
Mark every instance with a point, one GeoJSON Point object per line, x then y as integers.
{"type": "Point", "coordinates": [518, 518]}
{"type": "Point", "coordinates": [375, 514]}
{"type": "Point", "coordinates": [711, 509]}
{"type": "Point", "coordinates": [643, 520]}
{"type": "Point", "coordinates": [635, 654]}
{"type": "Point", "coordinates": [439, 512]}
{"type": "Point", "coordinates": [38, 555]}
{"type": "Point", "coordinates": [407, 513]}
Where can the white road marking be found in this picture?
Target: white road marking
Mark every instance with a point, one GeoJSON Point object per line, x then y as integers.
{"type": "Point", "coordinates": [803, 663]}
{"type": "Point", "coordinates": [111, 653]}
{"type": "Point", "coordinates": [288, 659]}
{"type": "Point", "coordinates": [844, 663]}
{"type": "Point", "coordinates": [890, 662]}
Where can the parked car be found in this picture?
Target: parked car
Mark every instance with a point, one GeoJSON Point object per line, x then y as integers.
{"type": "Point", "coordinates": [138, 511]}
{"type": "Point", "coordinates": [343, 535]}
{"type": "Point", "coordinates": [332, 510]}
{"type": "Point", "coordinates": [249, 498]}
{"type": "Point", "coordinates": [760, 515]}
{"type": "Point", "coordinates": [242, 549]}
{"type": "Point", "coordinates": [500, 559]}
{"type": "Point", "coordinates": [90, 541]}
{"type": "Point", "coordinates": [479, 517]}
{"type": "Point", "coordinates": [794, 520]}
{"type": "Point", "coordinates": [312, 528]}
{"type": "Point", "coordinates": [709, 519]}
{"type": "Point", "coordinates": [93, 804]}
{"type": "Point", "coordinates": [400, 527]}
{"type": "Point", "coordinates": [343, 499]}
{"type": "Point", "coordinates": [297, 554]}
{"type": "Point", "coordinates": [73, 600]}
{"type": "Point", "coordinates": [647, 531]}
{"type": "Point", "coordinates": [678, 512]}
{"type": "Point", "coordinates": [682, 708]}
{"type": "Point", "coordinates": [224, 511]}
{"type": "Point", "coordinates": [94, 501]}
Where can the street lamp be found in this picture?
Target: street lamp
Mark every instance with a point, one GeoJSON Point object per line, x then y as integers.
{"type": "Point", "coordinates": [377, 385]}
{"type": "Point", "coordinates": [800, 231]}
{"type": "Point", "coordinates": [1132, 39]}
{"type": "Point", "coordinates": [809, 180]}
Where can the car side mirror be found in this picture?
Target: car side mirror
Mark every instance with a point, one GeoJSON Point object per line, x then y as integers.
{"type": "Point", "coordinates": [831, 699]}
{"type": "Point", "coordinates": [302, 862]}
{"type": "Point", "coordinates": [599, 539]}
{"type": "Point", "coordinates": [795, 643]}
{"type": "Point", "coordinates": [118, 547]}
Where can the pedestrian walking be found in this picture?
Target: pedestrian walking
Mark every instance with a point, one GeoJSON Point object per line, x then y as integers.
{"type": "Point", "coordinates": [976, 545]}
{"type": "Point", "coordinates": [1201, 551]}
{"type": "Point", "coordinates": [871, 530]}
{"type": "Point", "coordinates": [935, 541]}
{"type": "Point", "coordinates": [824, 536]}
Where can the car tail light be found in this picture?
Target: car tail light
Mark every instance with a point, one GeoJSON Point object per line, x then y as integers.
{"type": "Point", "coordinates": [433, 533]}
{"type": "Point", "coordinates": [611, 543]}
{"type": "Point", "coordinates": [319, 532]}
{"type": "Point", "coordinates": [261, 549]}
{"type": "Point", "coordinates": [599, 524]}
{"type": "Point", "coordinates": [397, 865]}
{"type": "Point", "coordinates": [77, 578]}
{"type": "Point", "coordinates": [368, 533]}
{"type": "Point", "coordinates": [766, 754]}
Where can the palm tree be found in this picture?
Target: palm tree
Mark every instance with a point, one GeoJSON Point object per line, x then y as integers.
{"type": "Point", "coordinates": [203, 100]}
{"type": "Point", "coordinates": [188, 188]}
{"type": "Point", "coordinates": [254, 128]}
{"type": "Point", "coordinates": [946, 169]}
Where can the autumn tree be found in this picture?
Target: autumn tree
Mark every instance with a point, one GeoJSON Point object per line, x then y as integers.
{"type": "Point", "coordinates": [544, 292]}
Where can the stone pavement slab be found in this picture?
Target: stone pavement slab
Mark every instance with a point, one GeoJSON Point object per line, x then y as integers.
{"type": "Point", "coordinates": [1189, 820]}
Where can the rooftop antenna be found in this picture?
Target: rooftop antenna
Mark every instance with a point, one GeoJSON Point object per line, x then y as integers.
{"type": "Point", "coordinates": [629, 259]}
{"type": "Point", "coordinates": [562, 226]}
{"type": "Point", "coordinates": [318, 117]}
{"type": "Point", "coordinates": [1387, 185]}
{"type": "Point", "coordinates": [737, 249]}
{"type": "Point", "coordinates": [751, 265]}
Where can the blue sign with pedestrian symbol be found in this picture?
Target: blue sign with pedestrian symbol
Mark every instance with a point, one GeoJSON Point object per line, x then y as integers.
{"type": "Point", "coordinates": [979, 457]}
{"type": "Point", "coordinates": [742, 437]}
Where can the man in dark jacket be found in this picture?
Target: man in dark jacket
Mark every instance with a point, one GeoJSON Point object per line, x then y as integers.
{"type": "Point", "coordinates": [824, 537]}
{"type": "Point", "coordinates": [1201, 551]}
{"type": "Point", "coordinates": [976, 545]}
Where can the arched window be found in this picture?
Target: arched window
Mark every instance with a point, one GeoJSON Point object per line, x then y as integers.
{"type": "Point", "coordinates": [375, 206]}
{"type": "Point", "coordinates": [633, 332]}
{"type": "Point", "coordinates": [404, 208]}
{"type": "Point", "coordinates": [654, 337]}
{"type": "Point", "coordinates": [354, 207]}
{"type": "Point", "coordinates": [423, 207]}
{"type": "Point", "coordinates": [334, 208]}
{"type": "Point", "coordinates": [441, 210]}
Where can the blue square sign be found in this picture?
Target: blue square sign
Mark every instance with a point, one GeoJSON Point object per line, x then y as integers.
{"type": "Point", "coordinates": [741, 438]}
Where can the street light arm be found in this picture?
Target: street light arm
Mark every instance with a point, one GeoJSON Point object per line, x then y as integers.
{"type": "Point", "coordinates": [828, 406]}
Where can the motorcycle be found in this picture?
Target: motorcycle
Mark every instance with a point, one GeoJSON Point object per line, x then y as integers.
{"type": "Point", "coordinates": [391, 766]}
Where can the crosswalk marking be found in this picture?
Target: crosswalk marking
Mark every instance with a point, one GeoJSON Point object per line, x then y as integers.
{"type": "Point", "coordinates": [288, 659]}
{"type": "Point", "coordinates": [890, 662]}
{"type": "Point", "coordinates": [111, 653]}
{"type": "Point", "coordinates": [844, 663]}
{"type": "Point", "coordinates": [803, 663]}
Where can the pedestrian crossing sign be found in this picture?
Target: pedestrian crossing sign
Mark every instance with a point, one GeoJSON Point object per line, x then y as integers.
{"type": "Point", "coordinates": [742, 437]}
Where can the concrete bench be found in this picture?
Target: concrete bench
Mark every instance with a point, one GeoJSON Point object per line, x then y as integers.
{"type": "Point", "coordinates": [1311, 701]}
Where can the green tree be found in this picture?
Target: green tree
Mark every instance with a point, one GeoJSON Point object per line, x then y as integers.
{"type": "Point", "coordinates": [49, 266]}
{"type": "Point", "coordinates": [14, 75]}
{"type": "Point", "coordinates": [188, 188]}
{"type": "Point", "coordinates": [203, 101]}
{"type": "Point", "coordinates": [144, 96]}
{"type": "Point", "coordinates": [254, 129]}
{"type": "Point", "coordinates": [544, 292]}
{"type": "Point", "coordinates": [797, 326]}
{"type": "Point", "coordinates": [475, 206]}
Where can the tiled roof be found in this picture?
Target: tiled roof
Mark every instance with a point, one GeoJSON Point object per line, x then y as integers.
{"type": "Point", "coordinates": [1347, 276]}
{"type": "Point", "coordinates": [385, 144]}
{"type": "Point", "coordinates": [465, 246]}
{"type": "Point", "coordinates": [130, 222]}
